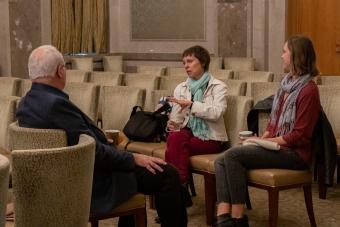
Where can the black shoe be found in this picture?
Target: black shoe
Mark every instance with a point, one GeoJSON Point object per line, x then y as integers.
{"type": "Point", "coordinates": [241, 222]}
{"type": "Point", "coordinates": [224, 220]}
{"type": "Point", "coordinates": [186, 195]}
{"type": "Point", "coordinates": [157, 220]}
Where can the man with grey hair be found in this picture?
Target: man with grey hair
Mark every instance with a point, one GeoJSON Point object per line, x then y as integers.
{"type": "Point", "coordinates": [117, 175]}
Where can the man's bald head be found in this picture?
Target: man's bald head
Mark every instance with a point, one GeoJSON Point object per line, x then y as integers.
{"type": "Point", "coordinates": [44, 62]}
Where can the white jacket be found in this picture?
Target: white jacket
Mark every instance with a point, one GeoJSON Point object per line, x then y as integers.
{"type": "Point", "coordinates": [211, 109]}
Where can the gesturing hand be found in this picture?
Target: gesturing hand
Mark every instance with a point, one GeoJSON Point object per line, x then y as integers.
{"type": "Point", "coordinates": [150, 163]}
{"type": "Point", "coordinates": [184, 103]}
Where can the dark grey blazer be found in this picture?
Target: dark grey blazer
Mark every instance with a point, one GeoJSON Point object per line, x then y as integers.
{"type": "Point", "coordinates": [113, 179]}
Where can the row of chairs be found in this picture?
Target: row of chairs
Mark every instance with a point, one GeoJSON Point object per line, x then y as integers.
{"type": "Point", "coordinates": [115, 64]}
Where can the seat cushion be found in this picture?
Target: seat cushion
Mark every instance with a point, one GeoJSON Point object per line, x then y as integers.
{"type": "Point", "coordinates": [122, 141]}
{"type": "Point", "coordinates": [204, 162]}
{"type": "Point", "coordinates": [159, 153]}
{"type": "Point", "coordinates": [137, 201]}
{"type": "Point", "coordinates": [146, 148]}
{"type": "Point", "coordinates": [279, 177]}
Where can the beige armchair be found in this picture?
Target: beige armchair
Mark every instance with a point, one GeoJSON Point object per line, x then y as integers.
{"type": "Point", "coordinates": [253, 76]}
{"type": "Point", "coordinates": [21, 138]}
{"type": "Point", "coordinates": [113, 63]}
{"type": "Point", "coordinates": [4, 172]}
{"type": "Point", "coordinates": [147, 82]}
{"type": "Point", "coordinates": [52, 187]}
{"type": "Point", "coordinates": [118, 102]}
{"type": "Point", "coordinates": [176, 71]}
{"type": "Point", "coordinates": [236, 87]}
{"type": "Point", "coordinates": [85, 96]}
{"type": "Point", "coordinates": [7, 113]}
{"type": "Point", "coordinates": [105, 79]}
{"type": "Point", "coordinates": [9, 86]}
{"type": "Point", "coordinates": [76, 75]}
{"type": "Point", "coordinates": [170, 83]}
{"type": "Point", "coordinates": [24, 87]}
{"type": "Point", "coordinates": [239, 63]}
{"type": "Point", "coordinates": [215, 63]}
{"type": "Point", "coordinates": [151, 69]}
{"type": "Point", "coordinates": [82, 63]}
{"type": "Point", "coordinates": [222, 74]}
{"type": "Point", "coordinates": [260, 91]}
{"type": "Point", "coordinates": [329, 80]}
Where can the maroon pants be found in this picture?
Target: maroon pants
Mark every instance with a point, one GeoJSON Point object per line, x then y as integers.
{"type": "Point", "coordinates": [183, 144]}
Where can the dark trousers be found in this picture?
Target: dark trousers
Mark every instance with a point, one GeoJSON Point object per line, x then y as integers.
{"type": "Point", "coordinates": [231, 169]}
{"type": "Point", "coordinates": [166, 188]}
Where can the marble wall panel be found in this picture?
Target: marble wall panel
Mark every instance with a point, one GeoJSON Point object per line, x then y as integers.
{"type": "Point", "coordinates": [25, 33]}
{"type": "Point", "coordinates": [232, 28]}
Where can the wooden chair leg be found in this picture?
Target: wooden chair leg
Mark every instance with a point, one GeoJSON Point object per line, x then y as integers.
{"type": "Point", "coordinates": [321, 182]}
{"type": "Point", "coordinates": [94, 223]}
{"type": "Point", "coordinates": [248, 203]}
{"type": "Point", "coordinates": [307, 189]}
{"type": "Point", "coordinates": [152, 202]}
{"type": "Point", "coordinates": [338, 169]}
{"type": "Point", "coordinates": [210, 197]}
{"type": "Point", "coordinates": [140, 218]}
{"type": "Point", "coordinates": [273, 199]}
{"type": "Point", "coordinates": [192, 185]}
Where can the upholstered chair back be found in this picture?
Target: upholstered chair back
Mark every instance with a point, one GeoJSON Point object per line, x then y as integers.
{"type": "Point", "coordinates": [9, 86]}
{"type": "Point", "coordinates": [151, 69]}
{"type": "Point", "coordinates": [85, 64]}
{"type": "Point", "coordinates": [156, 95]}
{"type": "Point", "coordinates": [147, 82]}
{"type": "Point", "coordinates": [239, 63]}
{"type": "Point", "coordinates": [236, 87]}
{"type": "Point", "coordinates": [7, 113]}
{"type": "Point", "coordinates": [4, 173]}
{"type": "Point", "coordinates": [215, 63]}
{"type": "Point", "coordinates": [21, 138]}
{"type": "Point", "coordinates": [262, 90]}
{"type": "Point", "coordinates": [329, 80]}
{"type": "Point", "coordinates": [85, 96]}
{"type": "Point", "coordinates": [76, 75]}
{"type": "Point", "coordinates": [170, 82]}
{"type": "Point", "coordinates": [24, 86]}
{"type": "Point", "coordinates": [222, 74]}
{"type": "Point", "coordinates": [113, 63]}
{"type": "Point", "coordinates": [108, 78]}
{"type": "Point", "coordinates": [330, 101]}
{"type": "Point", "coordinates": [235, 117]}
{"type": "Point", "coordinates": [253, 76]}
{"type": "Point", "coordinates": [52, 187]}
{"type": "Point", "coordinates": [118, 102]}
{"type": "Point", "coordinates": [176, 71]}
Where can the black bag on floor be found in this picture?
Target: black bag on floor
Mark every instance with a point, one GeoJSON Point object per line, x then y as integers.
{"type": "Point", "coordinates": [147, 126]}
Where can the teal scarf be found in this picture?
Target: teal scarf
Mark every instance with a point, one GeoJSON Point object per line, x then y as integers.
{"type": "Point", "coordinates": [197, 125]}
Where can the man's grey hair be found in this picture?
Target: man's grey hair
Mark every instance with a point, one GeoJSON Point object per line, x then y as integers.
{"type": "Point", "coordinates": [44, 61]}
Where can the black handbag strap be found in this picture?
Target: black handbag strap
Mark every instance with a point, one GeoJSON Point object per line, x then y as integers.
{"type": "Point", "coordinates": [134, 110]}
{"type": "Point", "coordinates": [166, 106]}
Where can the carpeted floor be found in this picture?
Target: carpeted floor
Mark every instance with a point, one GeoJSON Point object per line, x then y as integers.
{"type": "Point", "coordinates": [292, 211]}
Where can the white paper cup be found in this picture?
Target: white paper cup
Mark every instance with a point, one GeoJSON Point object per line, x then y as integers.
{"type": "Point", "coordinates": [245, 134]}
{"type": "Point", "coordinates": [112, 134]}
